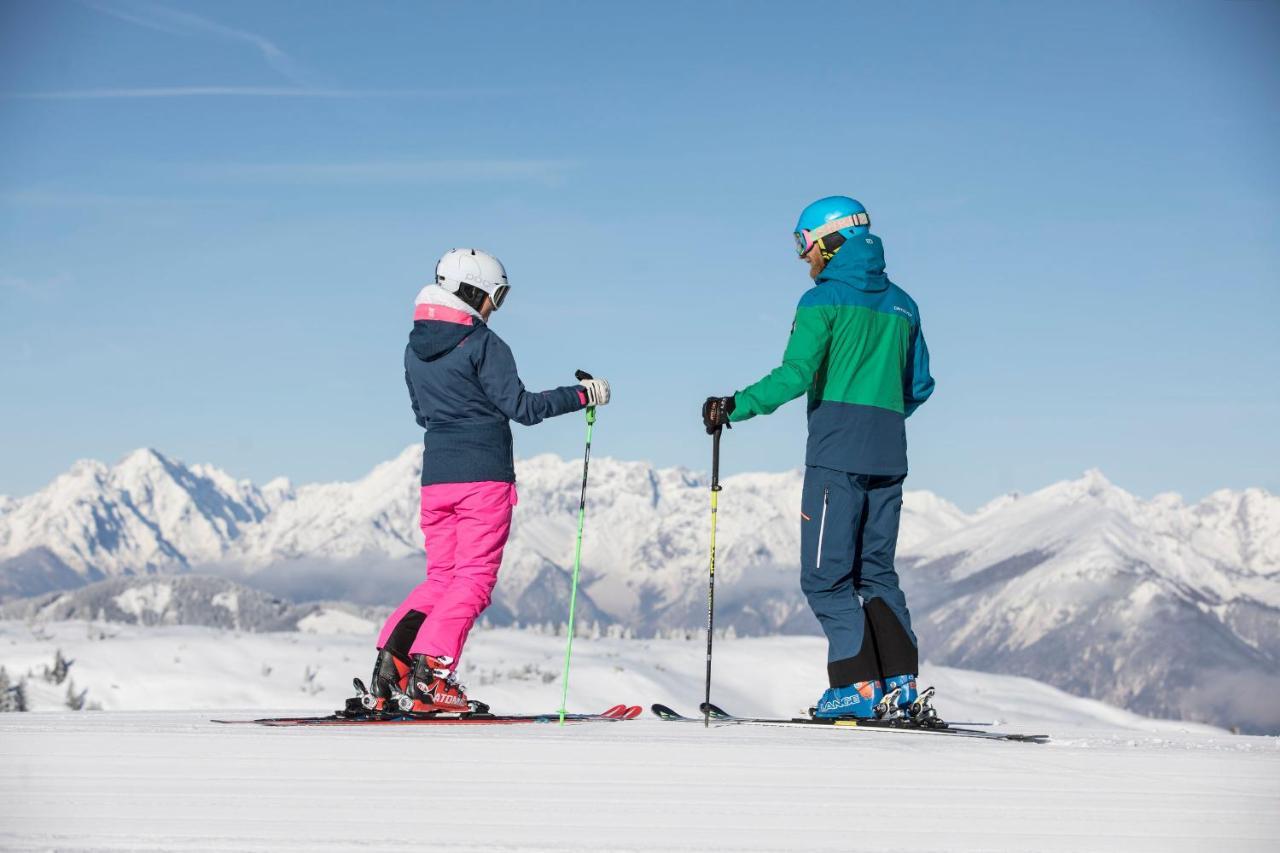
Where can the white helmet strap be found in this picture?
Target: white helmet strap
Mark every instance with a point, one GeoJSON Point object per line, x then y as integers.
{"type": "Point", "coordinates": [852, 221]}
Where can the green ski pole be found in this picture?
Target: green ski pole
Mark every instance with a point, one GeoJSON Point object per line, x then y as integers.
{"type": "Point", "coordinates": [577, 552]}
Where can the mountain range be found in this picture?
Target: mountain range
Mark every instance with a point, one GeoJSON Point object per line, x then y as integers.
{"type": "Point", "coordinates": [1163, 607]}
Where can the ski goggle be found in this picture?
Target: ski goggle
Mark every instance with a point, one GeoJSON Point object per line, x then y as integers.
{"type": "Point", "coordinates": [805, 238]}
{"type": "Point", "coordinates": [499, 296]}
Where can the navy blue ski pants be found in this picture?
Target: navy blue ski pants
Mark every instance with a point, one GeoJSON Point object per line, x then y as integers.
{"type": "Point", "coordinates": [848, 538]}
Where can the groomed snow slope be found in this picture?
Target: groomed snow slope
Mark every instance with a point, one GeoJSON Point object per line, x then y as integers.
{"type": "Point", "coordinates": [163, 780]}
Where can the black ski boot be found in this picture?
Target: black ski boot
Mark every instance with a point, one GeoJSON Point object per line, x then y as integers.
{"type": "Point", "coordinates": [386, 691]}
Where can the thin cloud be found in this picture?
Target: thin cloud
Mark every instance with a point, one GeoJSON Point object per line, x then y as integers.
{"type": "Point", "coordinates": [56, 198]}
{"type": "Point", "coordinates": [174, 22]}
{"type": "Point", "coordinates": [223, 92]}
{"type": "Point", "coordinates": [394, 171]}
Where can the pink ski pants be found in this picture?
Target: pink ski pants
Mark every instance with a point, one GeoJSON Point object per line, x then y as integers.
{"type": "Point", "coordinates": [466, 527]}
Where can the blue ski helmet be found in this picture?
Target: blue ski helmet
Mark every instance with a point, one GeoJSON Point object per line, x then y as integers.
{"type": "Point", "coordinates": [831, 215]}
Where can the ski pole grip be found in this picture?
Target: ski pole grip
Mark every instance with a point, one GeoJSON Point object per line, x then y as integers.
{"type": "Point", "coordinates": [582, 375]}
{"type": "Point", "coordinates": [715, 460]}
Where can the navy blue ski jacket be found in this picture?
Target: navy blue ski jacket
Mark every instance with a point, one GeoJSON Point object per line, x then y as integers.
{"type": "Point", "coordinates": [465, 392]}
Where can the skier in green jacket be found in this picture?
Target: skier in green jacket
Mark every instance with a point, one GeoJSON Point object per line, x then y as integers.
{"type": "Point", "coordinates": [857, 351]}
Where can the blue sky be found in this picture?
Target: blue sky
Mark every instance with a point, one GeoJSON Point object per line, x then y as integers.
{"type": "Point", "coordinates": [214, 218]}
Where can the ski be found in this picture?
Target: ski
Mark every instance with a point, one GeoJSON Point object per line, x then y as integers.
{"type": "Point", "coordinates": [375, 718]}
{"type": "Point", "coordinates": [899, 726]}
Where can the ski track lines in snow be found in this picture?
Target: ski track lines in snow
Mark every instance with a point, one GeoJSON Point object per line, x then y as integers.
{"type": "Point", "coordinates": [172, 780]}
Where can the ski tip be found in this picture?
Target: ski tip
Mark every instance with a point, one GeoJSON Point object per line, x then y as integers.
{"type": "Point", "coordinates": [714, 711]}
{"type": "Point", "coordinates": [666, 713]}
{"type": "Point", "coordinates": [614, 711]}
{"type": "Point", "coordinates": [633, 712]}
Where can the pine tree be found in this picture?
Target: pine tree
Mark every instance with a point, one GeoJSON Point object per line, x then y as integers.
{"type": "Point", "coordinates": [61, 665]}
{"type": "Point", "coordinates": [309, 683]}
{"type": "Point", "coordinates": [20, 696]}
{"type": "Point", "coordinates": [13, 697]}
{"type": "Point", "coordinates": [75, 701]}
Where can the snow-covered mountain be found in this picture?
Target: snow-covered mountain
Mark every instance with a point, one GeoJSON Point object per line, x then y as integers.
{"type": "Point", "coordinates": [1079, 584]}
{"type": "Point", "coordinates": [644, 557]}
{"type": "Point", "coordinates": [1170, 609]}
{"type": "Point", "coordinates": [147, 514]}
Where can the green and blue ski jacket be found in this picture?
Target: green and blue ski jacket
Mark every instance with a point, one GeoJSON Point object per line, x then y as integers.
{"type": "Point", "coordinates": [857, 350]}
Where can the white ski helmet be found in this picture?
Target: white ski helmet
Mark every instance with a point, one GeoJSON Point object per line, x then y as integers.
{"type": "Point", "coordinates": [472, 275]}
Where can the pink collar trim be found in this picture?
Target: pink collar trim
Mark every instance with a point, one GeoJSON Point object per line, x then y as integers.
{"type": "Point", "coordinates": [428, 311]}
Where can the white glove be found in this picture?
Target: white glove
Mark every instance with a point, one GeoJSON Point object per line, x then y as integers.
{"type": "Point", "coordinates": [597, 391]}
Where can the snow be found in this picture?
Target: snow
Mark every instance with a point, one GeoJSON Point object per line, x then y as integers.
{"type": "Point", "coordinates": [229, 600]}
{"type": "Point", "coordinates": [153, 779]}
{"type": "Point", "coordinates": [152, 598]}
{"type": "Point", "coordinates": [329, 621]}
{"type": "Point", "coordinates": [173, 668]}
{"type": "Point", "coordinates": [148, 781]}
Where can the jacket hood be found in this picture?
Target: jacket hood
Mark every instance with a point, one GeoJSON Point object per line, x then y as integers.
{"type": "Point", "coordinates": [441, 321]}
{"type": "Point", "coordinates": [860, 263]}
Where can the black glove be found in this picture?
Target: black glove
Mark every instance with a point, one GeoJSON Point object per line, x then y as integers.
{"type": "Point", "coordinates": [715, 413]}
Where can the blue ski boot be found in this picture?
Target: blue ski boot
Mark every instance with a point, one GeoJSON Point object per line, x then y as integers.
{"type": "Point", "coordinates": [900, 694]}
{"type": "Point", "coordinates": [857, 700]}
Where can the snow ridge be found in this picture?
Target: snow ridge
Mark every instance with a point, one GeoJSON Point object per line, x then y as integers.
{"type": "Point", "coordinates": [192, 601]}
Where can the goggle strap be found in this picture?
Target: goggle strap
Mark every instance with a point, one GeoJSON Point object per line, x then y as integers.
{"type": "Point", "coordinates": [855, 220]}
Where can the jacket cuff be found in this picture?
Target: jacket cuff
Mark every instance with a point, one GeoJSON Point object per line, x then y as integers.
{"type": "Point", "coordinates": [575, 399]}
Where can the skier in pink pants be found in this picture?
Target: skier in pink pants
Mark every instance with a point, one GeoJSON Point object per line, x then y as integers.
{"type": "Point", "coordinates": [465, 391]}
{"type": "Point", "coordinates": [465, 526]}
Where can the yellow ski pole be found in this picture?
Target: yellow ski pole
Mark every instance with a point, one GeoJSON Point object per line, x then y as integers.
{"type": "Point", "coordinates": [711, 585]}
